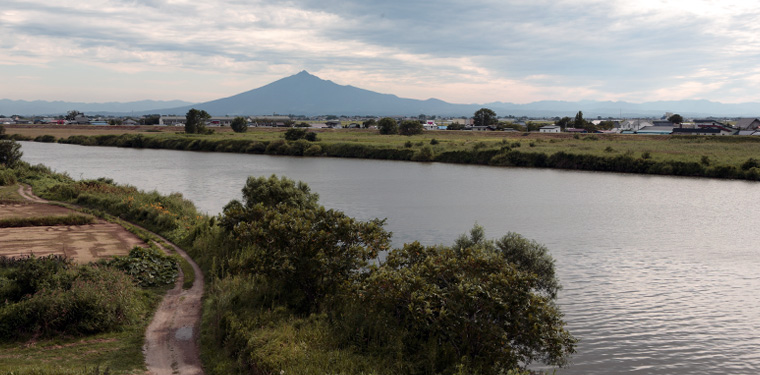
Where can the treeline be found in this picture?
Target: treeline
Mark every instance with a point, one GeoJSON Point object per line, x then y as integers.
{"type": "Point", "coordinates": [504, 155]}
{"type": "Point", "coordinates": [297, 288]}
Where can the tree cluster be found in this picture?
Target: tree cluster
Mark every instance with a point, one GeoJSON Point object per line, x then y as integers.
{"type": "Point", "coordinates": [239, 124]}
{"type": "Point", "coordinates": [479, 305]}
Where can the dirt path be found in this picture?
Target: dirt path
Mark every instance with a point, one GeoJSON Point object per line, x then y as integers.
{"type": "Point", "coordinates": [171, 340]}
{"type": "Point", "coordinates": [26, 192]}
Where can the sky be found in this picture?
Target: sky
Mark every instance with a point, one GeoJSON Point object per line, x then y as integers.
{"type": "Point", "coordinates": [460, 51]}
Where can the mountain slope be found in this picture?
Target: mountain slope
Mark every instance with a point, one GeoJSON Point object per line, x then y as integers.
{"type": "Point", "coordinates": [306, 94]}
{"type": "Point", "coordinates": [41, 107]}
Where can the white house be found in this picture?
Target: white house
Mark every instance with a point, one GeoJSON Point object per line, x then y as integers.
{"type": "Point", "coordinates": [550, 129]}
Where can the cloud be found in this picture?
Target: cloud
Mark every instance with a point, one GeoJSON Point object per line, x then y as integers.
{"type": "Point", "coordinates": [461, 51]}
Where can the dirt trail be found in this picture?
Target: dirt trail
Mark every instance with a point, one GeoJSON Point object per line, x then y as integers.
{"type": "Point", "coordinates": [171, 340]}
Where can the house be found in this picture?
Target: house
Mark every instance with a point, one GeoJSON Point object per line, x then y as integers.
{"type": "Point", "coordinates": [748, 123]}
{"type": "Point", "coordinates": [657, 130]}
{"type": "Point", "coordinates": [706, 130]}
{"type": "Point", "coordinates": [129, 122]}
{"type": "Point", "coordinates": [430, 125]}
{"type": "Point", "coordinates": [333, 124]}
{"type": "Point", "coordinates": [549, 129]}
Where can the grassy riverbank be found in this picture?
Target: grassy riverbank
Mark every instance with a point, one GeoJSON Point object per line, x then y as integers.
{"type": "Point", "coordinates": [735, 157]}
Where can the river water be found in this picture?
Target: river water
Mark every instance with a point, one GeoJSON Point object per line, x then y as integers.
{"type": "Point", "coordinates": [660, 274]}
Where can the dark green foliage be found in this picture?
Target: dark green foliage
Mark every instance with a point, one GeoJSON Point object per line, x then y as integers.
{"type": "Point", "coordinates": [50, 296]}
{"type": "Point", "coordinates": [2, 130]}
{"type": "Point", "coordinates": [311, 137]}
{"type": "Point", "coordinates": [7, 177]}
{"type": "Point", "coordinates": [387, 125]}
{"type": "Point", "coordinates": [10, 153]}
{"type": "Point", "coordinates": [434, 142]}
{"type": "Point", "coordinates": [45, 139]}
{"type": "Point", "coordinates": [480, 304]}
{"type": "Point", "coordinates": [283, 235]}
{"type": "Point", "coordinates": [675, 119]}
{"type": "Point", "coordinates": [148, 267]}
{"type": "Point", "coordinates": [239, 124]}
{"type": "Point", "coordinates": [195, 121]}
{"type": "Point", "coordinates": [424, 154]}
{"type": "Point", "coordinates": [294, 134]}
{"type": "Point", "coordinates": [410, 127]}
{"type": "Point", "coordinates": [750, 163]}
{"type": "Point", "coordinates": [455, 126]}
{"type": "Point", "coordinates": [484, 117]}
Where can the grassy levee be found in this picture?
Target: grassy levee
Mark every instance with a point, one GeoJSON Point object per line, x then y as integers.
{"type": "Point", "coordinates": [72, 219]}
{"type": "Point", "coordinates": [731, 157]}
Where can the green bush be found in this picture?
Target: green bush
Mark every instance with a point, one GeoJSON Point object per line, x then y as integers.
{"type": "Point", "coordinates": [294, 134]}
{"type": "Point", "coordinates": [45, 139]}
{"type": "Point", "coordinates": [148, 267]}
{"type": "Point", "coordinates": [49, 296]}
{"type": "Point", "coordinates": [7, 177]}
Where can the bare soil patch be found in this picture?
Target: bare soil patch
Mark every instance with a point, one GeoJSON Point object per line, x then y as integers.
{"type": "Point", "coordinates": [82, 243]}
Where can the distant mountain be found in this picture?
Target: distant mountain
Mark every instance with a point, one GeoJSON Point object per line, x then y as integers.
{"type": "Point", "coordinates": [42, 108]}
{"type": "Point", "coordinates": [306, 94]}
{"type": "Point", "coordinates": [309, 95]}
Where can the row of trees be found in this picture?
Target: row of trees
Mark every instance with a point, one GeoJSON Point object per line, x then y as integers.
{"type": "Point", "coordinates": [388, 125]}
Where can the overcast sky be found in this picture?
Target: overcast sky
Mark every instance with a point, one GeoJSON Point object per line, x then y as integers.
{"type": "Point", "coordinates": [460, 51]}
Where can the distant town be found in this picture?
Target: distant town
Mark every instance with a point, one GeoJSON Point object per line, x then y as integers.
{"type": "Point", "coordinates": [669, 123]}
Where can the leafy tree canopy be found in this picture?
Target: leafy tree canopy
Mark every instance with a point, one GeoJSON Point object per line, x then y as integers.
{"type": "Point", "coordinates": [410, 127]}
{"type": "Point", "coordinates": [387, 125]}
{"type": "Point", "coordinates": [10, 153]}
{"type": "Point", "coordinates": [195, 121]}
{"type": "Point", "coordinates": [676, 119]}
{"type": "Point", "coordinates": [484, 117]}
{"type": "Point", "coordinates": [239, 124]}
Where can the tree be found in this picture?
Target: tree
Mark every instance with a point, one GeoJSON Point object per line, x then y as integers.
{"type": "Point", "coordinates": [72, 115]}
{"type": "Point", "coordinates": [410, 127]}
{"type": "Point", "coordinates": [195, 121]}
{"type": "Point", "coordinates": [294, 134]}
{"type": "Point", "coordinates": [301, 250]}
{"type": "Point", "coordinates": [239, 124]}
{"type": "Point", "coordinates": [564, 122]}
{"type": "Point", "coordinates": [10, 153]}
{"type": "Point", "coordinates": [480, 304]}
{"type": "Point", "coordinates": [369, 123]}
{"type": "Point", "coordinates": [387, 125]}
{"type": "Point", "coordinates": [455, 126]}
{"type": "Point", "coordinates": [676, 119]}
{"type": "Point", "coordinates": [484, 117]}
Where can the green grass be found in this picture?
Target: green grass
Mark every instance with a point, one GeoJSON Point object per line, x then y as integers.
{"type": "Point", "coordinates": [10, 194]}
{"type": "Point", "coordinates": [71, 219]}
{"type": "Point", "coordinates": [187, 272]}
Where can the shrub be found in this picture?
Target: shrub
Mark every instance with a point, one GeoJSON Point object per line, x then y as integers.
{"type": "Point", "coordinates": [750, 163]}
{"type": "Point", "coordinates": [609, 149]}
{"type": "Point", "coordinates": [408, 144]}
{"type": "Point", "coordinates": [311, 137]}
{"type": "Point", "coordinates": [646, 155]}
{"type": "Point", "coordinates": [294, 134]}
{"type": "Point", "coordinates": [7, 177]}
{"type": "Point", "coordinates": [705, 160]}
{"type": "Point", "coordinates": [423, 154]}
{"type": "Point", "coordinates": [45, 138]}
{"type": "Point", "coordinates": [387, 125]}
{"type": "Point", "coordinates": [148, 267]}
{"type": "Point", "coordinates": [410, 127]}
{"type": "Point", "coordinates": [239, 124]}
{"type": "Point", "coordinates": [434, 142]}
{"type": "Point", "coordinates": [313, 150]}
{"type": "Point", "coordinates": [10, 153]}
{"type": "Point", "coordinates": [49, 296]}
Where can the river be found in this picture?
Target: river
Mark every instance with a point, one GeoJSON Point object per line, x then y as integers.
{"type": "Point", "coordinates": [660, 274]}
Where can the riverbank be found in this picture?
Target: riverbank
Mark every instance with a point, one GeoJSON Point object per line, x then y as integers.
{"type": "Point", "coordinates": [694, 156]}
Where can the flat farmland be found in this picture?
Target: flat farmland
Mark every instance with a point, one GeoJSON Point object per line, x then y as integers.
{"type": "Point", "coordinates": [81, 243]}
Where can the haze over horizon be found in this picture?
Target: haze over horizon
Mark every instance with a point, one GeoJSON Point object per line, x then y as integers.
{"type": "Point", "coordinates": [460, 52]}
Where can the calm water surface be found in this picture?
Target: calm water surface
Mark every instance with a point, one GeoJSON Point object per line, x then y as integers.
{"type": "Point", "coordinates": [660, 274]}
